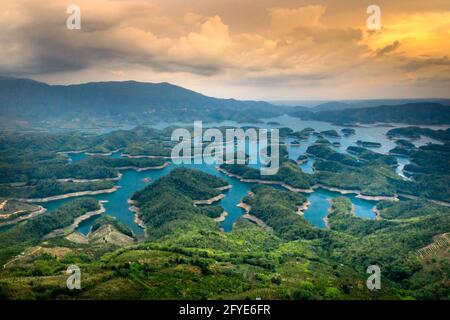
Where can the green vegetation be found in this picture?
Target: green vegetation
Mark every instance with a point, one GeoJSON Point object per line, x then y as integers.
{"type": "Point", "coordinates": [405, 144]}
{"type": "Point", "coordinates": [429, 167]}
{"type": "Point", "coordinates": [373, 157]}
{"type": "Point", "coordinates": [11, 209]}
{"type": "Point", "coordinates": [48, 188]}
{"type": "Point", "coordinates": [107, 219]}
{"type": "Point", "coordinates": [289, 173]}
{"type": "Point", "coordinates": [122, 162]}
{"type": "Point", "coordinates": [368, 144]}
{"type": "Point", "coordinates": [416, 132]}
{"type": "Point", "coordinates": [326, 153]}
{"type": "Point", "coordinates": [187, 257]}
{"type": "Point", "coordinates": [323, 141]}
{"type": "Point", "coordinates": [130, 102]}
{"type": "Point", "coordinates": [411, 113]}
{"type": "Point", "coordinates": [330, 133]}
{"type": "Point", "coordinates": [168, 204]}
{"type": "Point", "coordinates": [15, 239]}
{"type": "Point", "coordinates": [277, 209]}
{"type": "Point", "coordinates": [348, 131]}
{"type": "Point", "coordinates": [212, 211]}
{"type": "Point", "coordinates": [392, 243]}
{"type": "Point", "coordinates": [303, 134]}
{"type": "Point", "coordinates": [32, 166]}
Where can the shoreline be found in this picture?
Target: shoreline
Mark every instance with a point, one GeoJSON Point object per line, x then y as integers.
{"type": "Point", "coordinates": [209, 201]}
{"type": "Point", "coordinates": [377, 213]}
{"type": "Point", "coordinates": [330, 209]}
{"type": "Point", "coordinates": [224, 188]}
{"type": "Point", "coordinates": [244, 206]}
{"type": "Point", "coordinates": [106, 154]}
{"type": "Point", "coordinates": [71, 195]}
{"type": "Point", "coordinates": [119, 176]}
{"type": "Point", "coordinates": [412, 197]}
{"type": "Point", "coordinates": [138, 169]}
{"type": "Point", "coordinates": [71, 151]}
{"type": "Point", "coordinates": [222, 217]}
{"type": "Point", "coordinates": [258, 221]}
{"type": "Point", "coordinates": [268, 182]}
{"type": "Point", "coordinates": [126, 155]}
{"type": "Point", "coordinates": [77, 222]}
{"type": "Point", "coordinates": [301, 161]}
{"type": "Point", "coordinates": [312, 189]}
{"type": "Point", "coordinates": [38, 212]}
{"type": "Point", "coordinates": [137, 211]}
{"type": "Point", "coordinates": [301, 209]}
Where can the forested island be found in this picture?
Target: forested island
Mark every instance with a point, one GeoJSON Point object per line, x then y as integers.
{"type": "Point", "coordinates": [272, 251]}
{"type": "Point", "coordinates": [187, 255]}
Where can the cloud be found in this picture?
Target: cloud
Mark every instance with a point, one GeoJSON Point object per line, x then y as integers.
{"type": "Point", "coordinates": [287, 19]}
{"type": "Point", "coordinates": [423, 63]}
{"type": "Point", "coordinates": [254, 45]}
{"type": "Point", "coordinates": [388, 49]}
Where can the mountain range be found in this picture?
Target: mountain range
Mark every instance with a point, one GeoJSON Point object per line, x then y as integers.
{"type": "Point", "coordinates": [37, 103]}
{"type": "Point", "coordinates": [127, 100]}
{"type": "Point", "coordinates": [427, 113]}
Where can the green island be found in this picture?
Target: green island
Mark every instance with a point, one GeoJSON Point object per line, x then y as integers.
{"type": "Point", "coordinates": [272, 250]}
{"type": "Point", "coordinates": [187, 256]}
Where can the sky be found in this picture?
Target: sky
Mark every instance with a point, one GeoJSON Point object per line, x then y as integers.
{"type": "Point", "coordinates": [246, 49]}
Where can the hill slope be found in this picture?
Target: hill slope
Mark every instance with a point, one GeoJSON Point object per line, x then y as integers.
{"type": "Point", "coordinates": [128, 100]}
{"type": "Point", "coordinates": [411, 113]}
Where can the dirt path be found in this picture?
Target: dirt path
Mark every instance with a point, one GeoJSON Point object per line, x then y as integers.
{"type": "Point", "coordinates": [26, 254]}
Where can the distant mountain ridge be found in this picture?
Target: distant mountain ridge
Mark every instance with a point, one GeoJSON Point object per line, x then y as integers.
{"type": "Point", "coordinates": [36, 101]}
{"type": "Point", "coordinates": [372, 103]}
{"type": "Point", "coordinates": [96, 103]}
{"type": "Point", "coordinates": [427, 113]}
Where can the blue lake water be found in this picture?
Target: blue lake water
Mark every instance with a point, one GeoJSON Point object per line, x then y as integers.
{"type": "Point", "coordinates": [132, 181]}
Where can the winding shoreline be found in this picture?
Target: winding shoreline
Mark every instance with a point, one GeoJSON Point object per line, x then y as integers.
{"type": "Point", "coordinates": [38, 212]}
{"type": "Point", "coordinates": [244, 206]}
{"type": "Point", "coordinates": [222, 217]}
{"type": "Point", "coordinates": [71, 195]}
{"type": "Point", "coordinates": [258, 221]}
{"type": "Point", "coordinates": [106, 154]}
{"type": "Point", "coordinates": [269, 182]}
{"type": "Point", "coordinates": [224, 188]}
{"type": "Point", "coordinates": [302, 209]}
{"type": "Point", "coordinates": [330, 209]}
{"type": "Point", "coordinates": [126, 155]}
{"type": "Point", "coordinates": [312, 189]}
{"type": "Point", "coordinates": [77, 222]}
{"type": "Point", "coordinates": [248, 216]}
{"type": "Point", "coordinates": [138, 169]}
{"type": "Point", "coordinates": [209, 201]}
{"type": "Point", "coordinates": [137, 211]}
{"type": "Point", "coordinates": [412, 197]}
{"type": "Point", "coordinates": [119, 176]}
{"type": "Point", "coordinates": [377, 213]}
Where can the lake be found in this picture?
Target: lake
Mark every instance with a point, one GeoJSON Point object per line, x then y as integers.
{"type": "Point", "coordinates": [132, 181]}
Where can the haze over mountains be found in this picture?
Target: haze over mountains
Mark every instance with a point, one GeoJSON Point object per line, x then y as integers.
{"type": "Point", "coordinates": [128, 100]}
{"type": "Point", "coordinates": [137, 102]}
{"type": "Point", "coordinates": [427, 113]}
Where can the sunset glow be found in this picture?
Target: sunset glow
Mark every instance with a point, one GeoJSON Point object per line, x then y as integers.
{"type": "Point", "coordinates": [241, 49]}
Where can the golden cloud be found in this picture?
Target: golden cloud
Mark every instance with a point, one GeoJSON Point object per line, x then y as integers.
{"type": "Point", "coordinates": [304, 46]}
